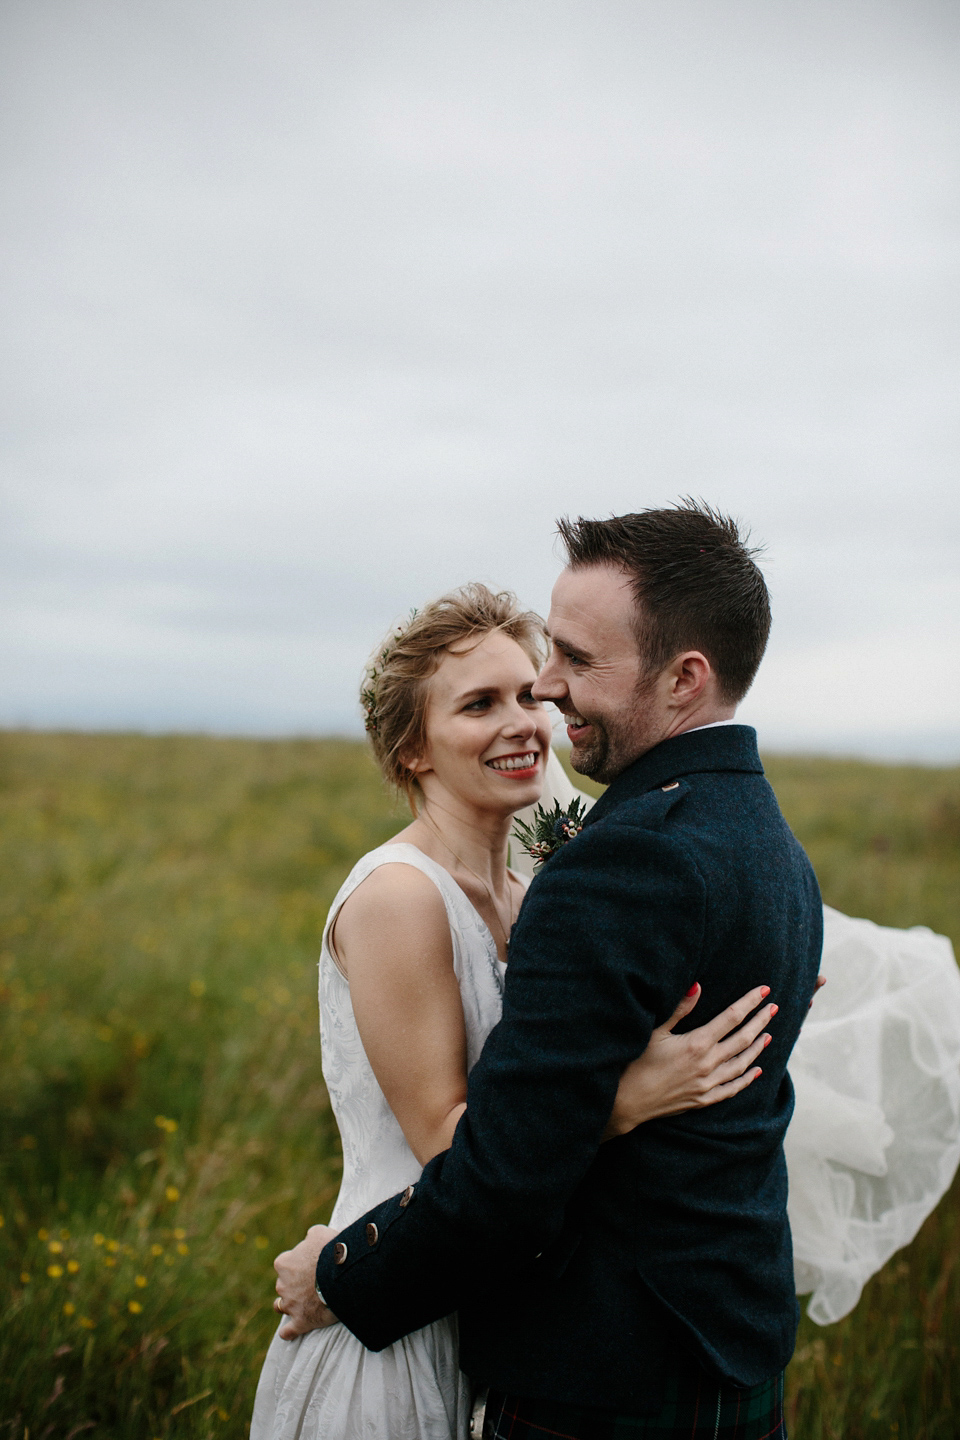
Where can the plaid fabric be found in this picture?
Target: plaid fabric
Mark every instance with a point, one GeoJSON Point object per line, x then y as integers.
{"type": "Point", "coordinates": [701, 1410]}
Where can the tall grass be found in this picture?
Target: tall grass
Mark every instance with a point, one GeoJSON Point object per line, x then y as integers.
{"type": "Point", "coordinates": [164, 1128]}
{"type": "Point", "coordinates": [885, 843]}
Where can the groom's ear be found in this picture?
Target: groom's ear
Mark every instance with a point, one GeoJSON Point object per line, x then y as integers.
{"type": "Point", "coordinates": [691, 675]}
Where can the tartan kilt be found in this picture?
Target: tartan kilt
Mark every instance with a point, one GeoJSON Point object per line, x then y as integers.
{"type": "Point", "coordinates": [697, 1409]}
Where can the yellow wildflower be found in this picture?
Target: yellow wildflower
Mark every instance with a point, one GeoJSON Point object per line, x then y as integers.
{"type": "Point", "coordinates": [172, 1193]}
{"type": "Point", "coordinates": [183, 1249]}
{"type": "Point", "coordinates": [113, 1246]}
{"type": "Point", "coordinates": [156, 1249]}
{"type": "Point", "coordinates": [261, 1242]}
{"type": "Point", "coordinates": [55, 1247]}
{"type": "Point", "coordinates": [86, 1322]}
{"type": "Point", "coordinates": [98, 1239]}
{"type": "Point", "coordinates": [179, 1233]}
{"type": "Point", "coordinates": [239, 1237]}
{"type": "Point", "coordinates": [24, 1277]}
{"type": "Point", "coordinates": [43, 1234]}
{"type": "Point", "coordinates": [134, 1307]}
{"type": "Point", "coordinates": [69, 1308]}
{"type": "Point", "coordinates": [55, 1271]}
{"type": "Point", "coordinates": [139, 1281]}
{"type": "Point", "coordinates": [73, 1266]}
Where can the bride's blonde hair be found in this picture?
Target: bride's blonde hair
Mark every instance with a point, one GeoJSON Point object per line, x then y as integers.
{"type": "Point", "coordinates": [395, 689]}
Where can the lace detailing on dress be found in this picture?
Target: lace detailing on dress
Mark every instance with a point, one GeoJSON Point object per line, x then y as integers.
{"type": "Point", "coordinates": [326, 1386]}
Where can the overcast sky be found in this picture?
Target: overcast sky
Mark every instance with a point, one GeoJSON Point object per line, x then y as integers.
{"type": "Point", "coordinates": [315, 310]}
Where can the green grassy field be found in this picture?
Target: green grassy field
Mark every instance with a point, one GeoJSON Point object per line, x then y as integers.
{"type": "Point", "coordinates": [165, 1129]}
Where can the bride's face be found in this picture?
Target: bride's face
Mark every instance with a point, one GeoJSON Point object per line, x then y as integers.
{"type": "Point", "coordinates": [487, 738]}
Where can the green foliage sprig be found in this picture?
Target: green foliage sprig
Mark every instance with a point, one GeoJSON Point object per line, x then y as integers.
{"type": "Point", "coordinates": [375, 669]}
{"type": "Point", "coordinates": [550, 830]}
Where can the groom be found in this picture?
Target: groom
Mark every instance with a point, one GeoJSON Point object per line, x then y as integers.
{"type": "Point", "coordinates": [643, 1286]}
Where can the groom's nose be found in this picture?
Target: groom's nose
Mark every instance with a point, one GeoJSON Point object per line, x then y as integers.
{"type": "Point", "coordinates": [549, 684]}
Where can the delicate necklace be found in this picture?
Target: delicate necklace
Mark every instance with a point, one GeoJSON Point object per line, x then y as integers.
{"type": "Point", "coordinates": [460, 861]}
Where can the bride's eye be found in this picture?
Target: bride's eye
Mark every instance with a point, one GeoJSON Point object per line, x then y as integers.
{"type": "Point", "coordinates": [528, 698]}
{"type": "Point", "coordinates": [483, 703]}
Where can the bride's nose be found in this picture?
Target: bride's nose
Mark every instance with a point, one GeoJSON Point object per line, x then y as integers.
{"type": "Point", "coordinates": [520, 722]}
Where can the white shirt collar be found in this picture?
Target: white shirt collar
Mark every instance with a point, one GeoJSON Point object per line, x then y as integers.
{"type": "Point", "coordinates": [713, 725]}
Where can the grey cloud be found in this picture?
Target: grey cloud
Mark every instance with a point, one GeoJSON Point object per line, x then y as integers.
{"type": "Point", "coordinates": [317, 310]}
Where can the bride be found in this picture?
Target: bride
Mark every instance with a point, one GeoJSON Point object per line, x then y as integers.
{"type": "Point", "coordinates": [411, 981]}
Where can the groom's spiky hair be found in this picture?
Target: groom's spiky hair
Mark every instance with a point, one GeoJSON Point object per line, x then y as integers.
{"type": "Point", "coordinates": [695, 581]}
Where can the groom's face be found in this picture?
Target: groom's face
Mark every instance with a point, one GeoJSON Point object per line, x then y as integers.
{"type": "Point", "coordinates": [595, 673]}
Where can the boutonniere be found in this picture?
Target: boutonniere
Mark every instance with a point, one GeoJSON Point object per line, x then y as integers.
{"type": "Point", "coordinates": [550, 830]}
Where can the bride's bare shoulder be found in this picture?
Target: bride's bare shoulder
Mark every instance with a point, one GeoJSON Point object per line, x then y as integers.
{"type": "Point", "coordinates": [394, 894]}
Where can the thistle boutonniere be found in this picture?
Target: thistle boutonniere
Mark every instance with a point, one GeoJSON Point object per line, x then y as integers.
{"type": "Point", "coordinates": [550, 830]}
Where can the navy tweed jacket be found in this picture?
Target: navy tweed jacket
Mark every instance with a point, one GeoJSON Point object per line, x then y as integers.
{"type": "Point", "coordinates": [584, 1271]}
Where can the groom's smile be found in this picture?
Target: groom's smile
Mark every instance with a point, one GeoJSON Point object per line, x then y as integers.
{"type": "Point", "coordinates": [594, 671]}
{"type": "Point", "coordinates": [577, 727]}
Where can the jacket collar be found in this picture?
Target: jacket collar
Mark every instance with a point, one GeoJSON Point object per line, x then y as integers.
{"type": "Point", "coordinates": [725, 747]}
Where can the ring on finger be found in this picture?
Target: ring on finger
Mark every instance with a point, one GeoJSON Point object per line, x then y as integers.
{"type": "Point", "coordinates": [278, 1305]}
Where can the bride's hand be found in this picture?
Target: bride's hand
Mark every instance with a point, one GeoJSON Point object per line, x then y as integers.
{"type": "Point", "coordinates": [686, 1072]}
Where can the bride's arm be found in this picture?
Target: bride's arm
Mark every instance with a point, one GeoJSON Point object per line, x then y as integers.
{"type": "Point", "coordinates": [393, 943]}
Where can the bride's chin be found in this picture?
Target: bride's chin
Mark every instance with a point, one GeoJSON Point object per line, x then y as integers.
{"type": "Point", "coordinates": [518, 796]}
{"type": "Point", "coordinates": [525, 795]}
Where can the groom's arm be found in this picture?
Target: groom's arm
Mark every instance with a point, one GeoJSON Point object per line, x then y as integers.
{"type": "Point", "coordinates": [607, 941]}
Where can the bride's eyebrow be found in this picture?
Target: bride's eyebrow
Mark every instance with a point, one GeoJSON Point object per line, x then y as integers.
{"type": "Point", "coordinates": [476, 694]}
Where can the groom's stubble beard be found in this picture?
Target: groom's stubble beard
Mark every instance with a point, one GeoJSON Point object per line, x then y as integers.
{"type": "Point", "coordinates": [617, 742]}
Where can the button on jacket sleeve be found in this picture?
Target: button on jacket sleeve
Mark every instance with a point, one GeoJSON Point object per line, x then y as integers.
{"type": "Point", "coordinates": [608, 939]}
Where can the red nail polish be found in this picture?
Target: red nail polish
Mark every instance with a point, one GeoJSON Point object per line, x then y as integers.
{"type": "Point", "coordinates": [764, 991]}
{"type": "Point", "coordinates": [766, 1040]}
{"type": "Point", "coordinates": [757, 1071]}
{"type": "Point", "coordinates": [774, 1009]}
{"type": "Point", "coordinates": [693, 989]}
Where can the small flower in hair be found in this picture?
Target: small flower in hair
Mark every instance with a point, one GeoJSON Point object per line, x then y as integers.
{"type": "Point", "coordinates": [551, 829]}
{"type": "Point", "coordinates": [375, 669]}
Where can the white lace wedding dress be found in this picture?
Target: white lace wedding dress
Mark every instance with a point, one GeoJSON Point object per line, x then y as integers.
{"type": "Point", "coordinates": [325, 1385]}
